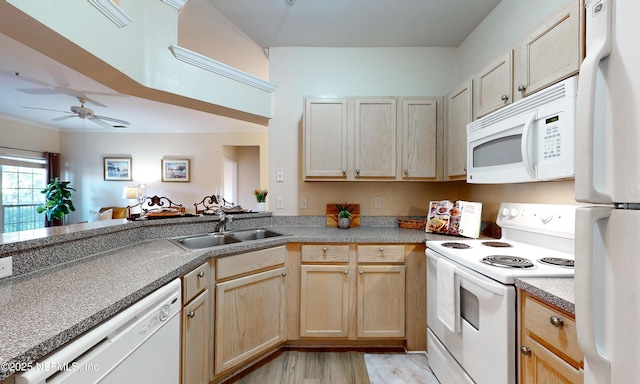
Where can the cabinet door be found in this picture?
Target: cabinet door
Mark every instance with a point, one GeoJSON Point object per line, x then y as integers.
{"type": "Point", "coordinates": [375, 138]}
{"type": "Point", "coordinates": [196, 323]}
{"type": "Point", "coordinates": [552, 52]}
{"type": "Point", "coordinates": [324, 301]}
{"type": "Point", "coordinates": [325, 138]}
{"type": "Point", "coordinates": [459, 114]}
{"type": "Point", "coordinates": [250, 317]}
{"type": "Point", "coordinates": [381, 301]}
{"type": "Point", "coordinates": [419, 139]}
{"type": "Point", "coordinates": [541, 366]}
{"type": "Point", "coordinates": [493, 85]}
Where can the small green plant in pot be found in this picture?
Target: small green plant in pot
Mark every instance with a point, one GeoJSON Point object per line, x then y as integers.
{"type": "Point", "coordinates": [344, 215]}
{"type": "Point", "coordinates": [58, 202]}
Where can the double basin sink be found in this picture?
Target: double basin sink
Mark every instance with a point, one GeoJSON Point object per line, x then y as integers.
{"type": "Point", "coordinates": [214, 239]}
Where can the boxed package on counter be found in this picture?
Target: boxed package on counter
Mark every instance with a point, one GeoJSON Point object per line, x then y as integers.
{"type": "Point", "coordinates": [458, 218]}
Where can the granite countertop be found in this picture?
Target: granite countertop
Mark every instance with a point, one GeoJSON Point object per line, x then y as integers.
{"type": "Point", "coordinates": [43, 310]}
{"type": "Point", "coordinates": [557, 291]}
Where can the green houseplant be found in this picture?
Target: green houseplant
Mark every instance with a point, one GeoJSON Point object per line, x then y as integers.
{"type": "Point", "coordinates": [57, 200]}
{"type": "Point", "coordinates": [344, 215]}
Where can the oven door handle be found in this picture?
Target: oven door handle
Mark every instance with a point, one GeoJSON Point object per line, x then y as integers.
{"type": "Point", "coordinates": [494, 288]}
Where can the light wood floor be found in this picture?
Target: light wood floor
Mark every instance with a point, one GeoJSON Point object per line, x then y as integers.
{"type": "Point", "coordinates": [313, 367]}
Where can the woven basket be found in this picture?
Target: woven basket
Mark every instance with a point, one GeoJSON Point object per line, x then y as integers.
{"type": "Point", "coordinates": [411, 223]}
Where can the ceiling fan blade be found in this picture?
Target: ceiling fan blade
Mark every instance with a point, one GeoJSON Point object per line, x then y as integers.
{"type": "Point", "coordinates": [100, 122]}
{"type": "Point", "coordinates": [64, 118]}
{"type": "Point", "coordinates": [111, 119]}
{"type": "Point", "coordinates": [47, 109]}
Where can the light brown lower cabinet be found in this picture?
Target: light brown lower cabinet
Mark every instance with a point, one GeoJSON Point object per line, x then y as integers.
{"type": "Point", "coordinates": [250, 310]}
{"type": "Point", "coordinates": [381, 301]}
{"type": "Point", "coordinates": [549, 351]}
{"type": "Point", "coordinates": [324, 300]}
{"type": "Point", "coordinates": [196, 326]}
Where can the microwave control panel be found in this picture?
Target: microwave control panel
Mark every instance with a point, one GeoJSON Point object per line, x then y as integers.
{"type": "Point", "coordinates": [552, 138]}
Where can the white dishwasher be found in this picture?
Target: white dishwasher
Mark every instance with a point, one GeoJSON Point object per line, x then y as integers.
{"type": "Point", "coordinates": [139, 345]}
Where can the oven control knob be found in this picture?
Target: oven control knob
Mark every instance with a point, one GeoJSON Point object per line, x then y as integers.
{"type": "Point", "coordinates": [514, 212]}
{"type": "Point", "coordinates": [505, 212]}
{"type": "Point", "coordinates": [546, 217]}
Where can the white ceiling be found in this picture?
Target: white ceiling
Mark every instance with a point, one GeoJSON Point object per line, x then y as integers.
{"type": "Point", "coordinates": [45, 83]}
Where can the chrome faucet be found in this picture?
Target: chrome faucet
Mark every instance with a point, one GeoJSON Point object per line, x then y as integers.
{"type": "Point", "coordinates": [223, 219]}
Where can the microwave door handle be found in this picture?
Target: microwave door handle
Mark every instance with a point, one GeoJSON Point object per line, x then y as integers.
{"type": "Point", "coordinates": [524, 145]}
{"type": "Point", "coordinates": [598, 47]}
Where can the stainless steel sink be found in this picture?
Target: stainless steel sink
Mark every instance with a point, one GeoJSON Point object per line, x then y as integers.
{"type": "Point", "coordinates": [205, 240]}
{"type": "Point", "coordinates": [254, 234]}
{"type": "Point", "coordinates": [214, 239]}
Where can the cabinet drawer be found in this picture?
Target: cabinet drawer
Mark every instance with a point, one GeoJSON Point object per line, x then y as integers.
{"type": "Point", "coordinates": [380, 253]}
{"type": "Point", "coordinates": [325, 253]}
{"type": "Point", "coordinates": [538, 321]}
{"type": "Point", "coordinates": [249, 262]}
{"type": "Point", "coordinates": [195, 282]}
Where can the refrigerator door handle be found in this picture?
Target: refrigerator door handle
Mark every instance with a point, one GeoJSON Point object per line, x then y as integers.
{"type": "Point", "coordinates": [599, 43]}
{"type": "Point", "coordinates": [586, 221]}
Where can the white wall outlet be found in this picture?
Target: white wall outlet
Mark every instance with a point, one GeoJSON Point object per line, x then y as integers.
{"type": "Point", "coordinates": [6, 266]}
{"type": "Point", "coordinates": [280, 202]}
{"type": "Point", "coordinates": [303, 202]}
{"type": "Point", "coordinates": [280, 176]}
{"type": "Point", "coordinates": [377, 202]}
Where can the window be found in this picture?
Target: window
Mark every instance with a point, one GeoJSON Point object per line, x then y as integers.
{"type": "Point", "coordinates": [21, 182]}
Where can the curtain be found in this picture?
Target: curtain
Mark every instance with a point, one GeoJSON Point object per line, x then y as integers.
{"type": "Point", "coordinates": [52, 164]}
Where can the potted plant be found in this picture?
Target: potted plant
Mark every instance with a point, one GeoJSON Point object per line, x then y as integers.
{"type": "Point", "coordinates": [261, 197]}
{"type": "Point", "coordinates": [344, 215]}
{"type": "Point", "coordinates": [58, 202]}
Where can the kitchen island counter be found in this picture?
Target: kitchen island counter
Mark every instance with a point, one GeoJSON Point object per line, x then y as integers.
{"type": "Point", "coordinates": [42, 310]}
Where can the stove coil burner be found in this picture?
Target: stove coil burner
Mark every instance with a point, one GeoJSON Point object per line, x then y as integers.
{"type": "Point", "coordinates": [557, 261]}
{"type": "Point", "coordinates": [507, 261]}
{"type": "Point", "coordinates": [455, 245]}
{"type": "Point", "coordinates": [497, 244]}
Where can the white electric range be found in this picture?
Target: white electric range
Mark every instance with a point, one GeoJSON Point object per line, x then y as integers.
{"type": "Point", "coordinates": [471, 297]}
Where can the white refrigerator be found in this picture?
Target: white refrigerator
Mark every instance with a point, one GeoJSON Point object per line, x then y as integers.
{"type": "Point", "coordinates": [607, 272]}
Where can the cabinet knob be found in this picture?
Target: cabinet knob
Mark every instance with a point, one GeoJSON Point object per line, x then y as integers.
{"type": "Point", "coordinates": [465, 169]}
{"type": "Point", "coordinates": [344, 172]}
{"type": "Point", "coordinates": [324, 249]}
{"type": "Point", "coordinates": [191, 314]}
{"type": "Point", "coordinates": [525, 350]}
{"type": "Point", "coordinates": [357, 171]}
{"type": "Point", "coordinates": [381, 249]}
{"type": "Point", "coordinates": [361, 272]}
{"type": "Point", "coordinates": [521, 87]}
{"type": "Point", "coordinates": [504, 98]}
{"type": "Point", "coordinates": [346, 272]}
{"type": "Point", "coordinates": [284, 274]}
{"type": "Point", "coordinates": [556, 321]}
{"type": "Point", "coordinates": [406, 172]}
{"type": "Point", "coordinates": [200, 274]}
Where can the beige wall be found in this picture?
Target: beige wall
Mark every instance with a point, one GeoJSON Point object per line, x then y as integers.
{"type": "Point", "coordinates": [83, 154]}
{"type": "Point", "coordinates": [222, 42]}
{"type": "Point", "coordinates": [24, 135]}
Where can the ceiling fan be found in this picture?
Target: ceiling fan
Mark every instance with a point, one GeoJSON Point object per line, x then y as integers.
{"type": "Point", "coordinates": [86, 113]}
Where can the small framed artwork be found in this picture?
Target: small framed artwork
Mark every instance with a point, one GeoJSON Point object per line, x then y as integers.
{"type": "Point", "coordinates": [175, 170]}
{"type": "Point", "coordinates": [117, 168]}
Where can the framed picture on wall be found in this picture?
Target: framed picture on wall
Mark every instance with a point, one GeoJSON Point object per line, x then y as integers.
{"type": "Point", "coordinates": [175, 170]}
{"type": "Point", "coordinates": [117, 168]}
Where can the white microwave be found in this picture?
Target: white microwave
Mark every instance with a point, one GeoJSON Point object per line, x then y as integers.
{"type": "Point", "coordinates": [529, 140]}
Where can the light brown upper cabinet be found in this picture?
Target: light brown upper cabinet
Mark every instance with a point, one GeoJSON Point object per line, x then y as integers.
{"type": "Point", "coordinates": [373, 138]}
{"type": "Point", "coordinates": [420, 151]}
{"type": "Point", "coordinates": [493, 85]}
{"type": "Point", "coordinates": [551, 52]}
{"type": "Point", "coordinates": [459, 114]}
{"type": "Point", "coordinates": [325, 138]}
